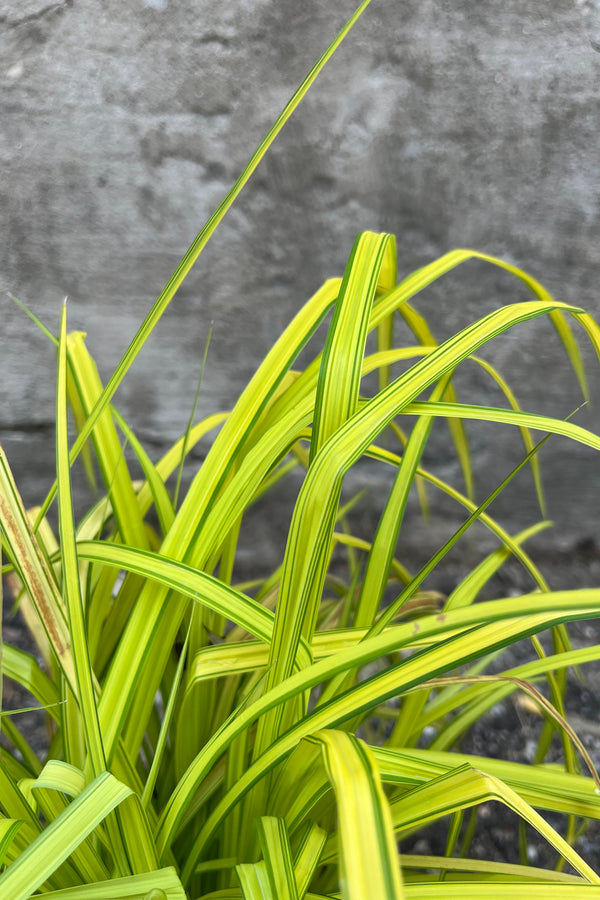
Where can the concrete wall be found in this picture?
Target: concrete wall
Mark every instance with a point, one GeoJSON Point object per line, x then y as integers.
{"type": "Point", "coordinates": [122, 124]}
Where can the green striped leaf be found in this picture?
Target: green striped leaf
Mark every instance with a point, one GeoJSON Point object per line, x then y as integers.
{"type": "Point", "coordinates": [70, 569]}
{"type": "Point", "coordinates": [506, 621]}
{"type": "Point", "coordinates": [221, 598]}
{"type": "Point", "coordinates": [277, 854]}
{"type": "Point", "coordinates": [33, 571]}
{"type": "Point", "coordinates": [369, 865]}
{"type": "Point", "coordinates": [306, 557]}
{"type": "Point", "coordinates": [372, 266]}
{"type": "Point", "coordinates": [162, 884]}
{"type": "Point", "coordinates": [497, 891]}
{"type": "Point", "coordinates": [61, 837]}
{"type": "Point", "coordinates": [464, 787]}
{"type": "Point", "coordinates": [308, 855]}
{"type": "Point", "coordinates": [109, 452]}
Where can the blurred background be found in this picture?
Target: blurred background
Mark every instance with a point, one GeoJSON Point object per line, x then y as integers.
{"type": "Point", "coordinates": [123, 124]}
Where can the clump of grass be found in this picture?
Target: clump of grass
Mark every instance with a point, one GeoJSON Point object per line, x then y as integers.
{"type": "Point", "coordinates": [204, 735]}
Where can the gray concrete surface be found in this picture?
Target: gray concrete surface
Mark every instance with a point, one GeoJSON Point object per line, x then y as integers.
{"type": "Point", "coordinates": [122, 124]}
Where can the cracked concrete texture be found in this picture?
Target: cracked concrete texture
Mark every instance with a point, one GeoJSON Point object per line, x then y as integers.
{"type": "Point", "coordinates": [123, 125]}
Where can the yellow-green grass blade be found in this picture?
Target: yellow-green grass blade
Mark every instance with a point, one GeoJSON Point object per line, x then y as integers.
{"type": "Point", "coordinates": [60, 838]}
{"type": "Point", "coordinates": [37, 322]}
{"type": "Point", "coordinates": [309, 539]}
{"type": "Point", "coordinates": [183, 579]}
{"type": "Point", "coordinates": [168, 463]}
{"type": "Point", "coordinates": [13, 802]}
{"type": "Point", "coordinates": [80, 415]}
{"type": "Point", "coordinates": [505, 416]}
{"type": "Point", "coordinates": [592, 329]}
{"type": "Point", "coordinates": [162, 884]}
{"type": "Point", "coordinates": [216, 865]}
{"type": "Point", "coordinates": [391, 458]}
{"type": "Point", "coordinates": [159, 752]}
{"type": "Point", "coordinates": [386, 536]}
{"type": "Point", "coordinates": [220, 660]}
{"type": "Point", "coordinates": [93, 522]}
{"type": "Point", "coordinates": [154, 482]}
{"type": "Point", "coordinates": [527, 439]}
{"type": "Point", "coordinates": [566, 336]}
{"type": "Point", "coordinates": [21, 837]}
{"type": "Point", "coordinates": [58, 775]}
{"type": "Point", "coordinates": [184, 540]}
{"type": "Point", "coordinates": [29, 763]}
{"type": "Point", "coordinates": [258, 462]}
{"type": "Point", "coordinates": [231, 444]}
{"type": "Point", "coordinates": [236, 894]}
{"type": "Point", "coordinates": [235, 838]}
{"type": "Point", "coordinates": [109, 599]}
{"type": "Point", "coordinates": [46, 541]}
{"type": "Point", "coordinates": [505, 622]}
{"type": "Point", "coordinates": [109, 452]}
{"type": "Point", "coordinates": [137, 836]}
{"type": "Point", "coordinates": [554, 714]}
{"type": "Point", "coordinates": [225, 513]}
{"type": "Point", "coordinates": [384, 358]}
{"type": "Point", "coordinates": [9, 829]}
{"type": "Point", "coordinates": [392, 610]}
{"type": "Point", "coordinates": [307, 855]}
{"type": "Point", "coordinates": [23, 668]}
{"type": "Point", "coordinates": [190, 424]}
{"type": "Point", "coordinates": [486, 869]}
{"type": "Point", "coordinates": [397, 570]}
{"type": "Point", "coordinates": [71, 728]}
{"type": "Point", "coordinates": [385, 337]}
{"type": "Point", "coordinates": [33, 571]}
{"type": "Point", "coordinates": [419, 279]}
{"type": "Point", "coordinates": [422, 332]}
{"type": "Point", "coordinates": [371, 266]}
{"type": "Point", "coordinates": [543, 787]}
{"type": "Point", "coordinates": [378, 360]}
{"type": "Point", "coordinates": [369, 865]}
{"type": "Point", "coordinates": [254, 882]}
{"type": "Point", "coordinates": [200, 242]}
{"type": "Point", "coordinates": [427, 274]}
{"type": "Point", "coordinates": [85, 693]}
{"type": "Point", "coordinates": [277, 854]}
{"type": "Point", "coordinates": [108, 618]}
{"type": "Point", "coordinates": [464, 787]}
{"type": "Point", "coordinates": [280, 472]}
{"type": "Point", "coordinates": [477, 699]}
{"type": "Point", "coordinates": [26, 787]}
{"type": "Point", "coordinates": [466, 592]}
{"type": "Point", "coordinates": [49, 791]}
{"type": "Point", "coordinates": [465, 890]}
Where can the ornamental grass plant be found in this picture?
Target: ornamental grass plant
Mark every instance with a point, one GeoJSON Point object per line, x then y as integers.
{"type": "Point", "coordinates": [211, 739]}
